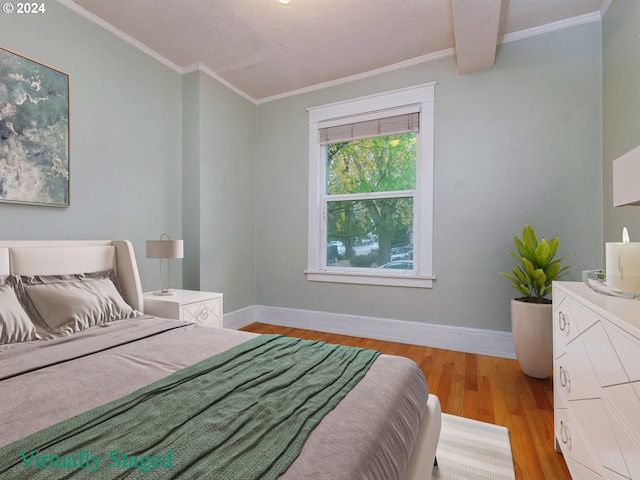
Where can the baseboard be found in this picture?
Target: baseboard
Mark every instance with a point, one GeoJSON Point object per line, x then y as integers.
{"type": "Point", "coordinates": [471, 340]}
{"type": "Point", "coordinates": [240, 318]}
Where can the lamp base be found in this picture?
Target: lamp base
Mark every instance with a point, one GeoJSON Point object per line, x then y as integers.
{"type": "Point", "coordinates": [164, 293]}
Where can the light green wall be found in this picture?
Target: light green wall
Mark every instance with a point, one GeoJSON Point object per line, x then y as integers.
{"type": "Point", "coordinates": [621, 107]}
{"type": "Point", "coordinates": [514, 144]}
{"type": "Point", "coordinates": [191, 173]}
{"type": "Point", "coordinates": [125, 137]}
{"type": "Point", "coordinates": [218, 190]}
{"type": "Point", "coordinates": [227, 194]}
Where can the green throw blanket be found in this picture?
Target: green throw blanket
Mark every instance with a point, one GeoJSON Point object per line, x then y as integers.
{"type": "Point", "coordinates": [242, 414]}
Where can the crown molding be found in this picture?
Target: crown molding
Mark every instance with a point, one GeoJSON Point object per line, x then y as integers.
{"type": "Point", "coordinates": [550, 27]}
{"type": "Point", "coordinates": [449, 52]}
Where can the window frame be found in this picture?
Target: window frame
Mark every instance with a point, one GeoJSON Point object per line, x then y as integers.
{"type": "Point", "coordinates": [418, 99]}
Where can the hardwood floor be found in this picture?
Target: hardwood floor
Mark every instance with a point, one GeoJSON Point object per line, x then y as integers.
{"type": "Point", "coordinates": [490, 389]}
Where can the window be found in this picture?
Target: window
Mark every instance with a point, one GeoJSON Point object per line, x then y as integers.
{"type": "Point", "coordinates": [371, 189]}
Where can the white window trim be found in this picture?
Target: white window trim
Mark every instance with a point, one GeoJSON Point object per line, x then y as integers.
{"type": "Point", "coordinates": [420, 98]}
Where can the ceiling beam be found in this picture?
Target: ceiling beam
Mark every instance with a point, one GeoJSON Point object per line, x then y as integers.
{"type": "Point", "coordinates": [475, 24]}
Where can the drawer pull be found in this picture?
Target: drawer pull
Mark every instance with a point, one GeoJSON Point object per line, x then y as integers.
{"type": "Point", "coordinates": [564, 433]}
{"type": "Point", "coordinates": [203, 315]}
{"type": "Point", "coordinates": [563, 322]}
{"type": "Point", "coordinates": [565, 381]}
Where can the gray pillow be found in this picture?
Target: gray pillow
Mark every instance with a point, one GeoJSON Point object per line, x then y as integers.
{"type": "Point", "coordinates": [15, 325]}
{"type": "Point", "coordinates": [70, 304]}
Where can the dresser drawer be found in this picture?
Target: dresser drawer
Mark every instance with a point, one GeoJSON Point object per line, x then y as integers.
{"type": "Point", "coordinates": [570, 382]}
{"type": "Point", "coordinates": [570, 320]}
{"type": "Point", "coordinates": [604, 433]}
{"type": "Point", "coordinates": [572, 445]}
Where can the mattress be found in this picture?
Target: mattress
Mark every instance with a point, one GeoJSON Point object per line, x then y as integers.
{"type": "Point", "coordinates": [370, 434]}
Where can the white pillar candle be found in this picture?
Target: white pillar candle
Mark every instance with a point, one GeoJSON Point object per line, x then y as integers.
{"type": "Point", "coordinates": [623, 264]}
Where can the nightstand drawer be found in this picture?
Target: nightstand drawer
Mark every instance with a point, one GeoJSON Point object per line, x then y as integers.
{"type": "Point", "coordinates": [205, 313]}
{"type": "Point", "coordinates": [204, 308]}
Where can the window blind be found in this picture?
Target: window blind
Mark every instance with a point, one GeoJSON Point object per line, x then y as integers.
{"type": "Point", "coordinates": [407, 123]}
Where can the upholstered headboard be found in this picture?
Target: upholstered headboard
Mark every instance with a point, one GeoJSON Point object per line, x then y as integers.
{"type": "Point", "coordinates": [58, 257]}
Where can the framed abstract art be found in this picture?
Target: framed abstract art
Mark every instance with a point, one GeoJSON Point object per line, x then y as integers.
{"type": "Point", "coordinates": [34, 132]}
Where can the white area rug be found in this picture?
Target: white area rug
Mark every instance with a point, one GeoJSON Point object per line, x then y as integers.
{"type": "Point", "coordinates": [472, 450]}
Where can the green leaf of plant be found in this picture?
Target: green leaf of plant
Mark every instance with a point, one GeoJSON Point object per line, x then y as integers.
{"type": "Point", "coordinates": [522, 250]}
{"type": "Point", "coordinates": [528, 266]}
{"type": "Point", "coordinates": [529, 239]}
{"type": "Point", "coordinates": [539, 277]}
{"type": "Point", "coordinates": [563, 271]}
{"type": "Point", "coordinates": [554, 243]}
{"type": "Point", "coordinates": [552, 270]}
{"type": "Point", "coordinates": [542, 254]}
{"type": "Point", "coordinates": [521, 289]}
{"type": "Point", "coordinates": [509, 277]}
{"type": "Point", "coordinates": [520, 275]}
{"type": "Point", "coordinates": [515, 257]}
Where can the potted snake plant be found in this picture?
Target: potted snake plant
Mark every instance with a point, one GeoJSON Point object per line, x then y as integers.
{"type": "Point", "coordinates": [534, 270]}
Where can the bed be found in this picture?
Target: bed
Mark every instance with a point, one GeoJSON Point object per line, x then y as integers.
{"type": "Point", "coordinates": [385, 426]}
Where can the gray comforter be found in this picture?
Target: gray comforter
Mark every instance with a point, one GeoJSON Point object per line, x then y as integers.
{"type": "Point", "coordinates": [369, 435]}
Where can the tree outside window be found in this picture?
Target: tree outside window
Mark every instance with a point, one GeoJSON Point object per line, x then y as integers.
{"type": "Point", "coordinates": [374, 180]}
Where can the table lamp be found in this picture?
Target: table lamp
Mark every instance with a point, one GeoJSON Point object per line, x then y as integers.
{"type": "Point", "coordinates": [165, 249]}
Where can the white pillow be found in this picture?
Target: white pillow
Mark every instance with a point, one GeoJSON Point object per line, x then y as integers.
{"type": "Point", "coordinates": [15, 325]}
{"type": "Point", "coordinates": [70, 306]}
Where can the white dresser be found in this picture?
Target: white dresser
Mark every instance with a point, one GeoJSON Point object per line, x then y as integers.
{"type": "Point", "coordinates": [189, 305]}
{"type": "Point", "coordinates": [596, 382]}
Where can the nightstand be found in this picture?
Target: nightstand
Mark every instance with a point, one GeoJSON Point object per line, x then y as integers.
{"type": "Point", "coordinates": [204, 308]}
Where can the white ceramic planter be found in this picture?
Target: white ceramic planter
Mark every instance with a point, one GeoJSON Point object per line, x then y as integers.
{"type": "Point", "coordinates": [532, 330]}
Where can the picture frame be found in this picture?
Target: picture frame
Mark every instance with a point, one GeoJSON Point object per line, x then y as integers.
{"type": "Point", "coordinates": [34, 132]}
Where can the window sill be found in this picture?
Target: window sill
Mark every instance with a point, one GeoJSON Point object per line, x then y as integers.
{"type": "Point", "coordinates": [398, 280]}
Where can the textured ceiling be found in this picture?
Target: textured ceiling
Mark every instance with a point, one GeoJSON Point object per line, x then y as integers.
{"type": "Point", "coordinates": [264, 49]}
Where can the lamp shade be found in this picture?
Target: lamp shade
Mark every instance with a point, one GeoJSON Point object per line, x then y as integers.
{"type": "Point", "coordinates": [626, 179]}
{"type": "Point", "coordinates": [165, 249]}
